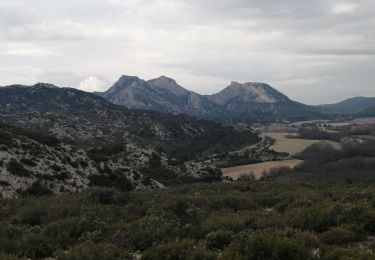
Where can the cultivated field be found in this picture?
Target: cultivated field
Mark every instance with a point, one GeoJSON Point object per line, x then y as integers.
{"type": "Point", "coordinates": [257, 169]}
{"type": "Point", "coordinates": [293, 146]}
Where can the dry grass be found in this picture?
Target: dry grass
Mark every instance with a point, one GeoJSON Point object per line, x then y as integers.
{"type": "Point", "coordinates": [293, 146]}
{"type": "Point", "coordinates": [257, 169]}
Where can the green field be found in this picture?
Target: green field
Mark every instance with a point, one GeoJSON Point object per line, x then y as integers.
{"type": "Point", "coordinates": [293, 146]}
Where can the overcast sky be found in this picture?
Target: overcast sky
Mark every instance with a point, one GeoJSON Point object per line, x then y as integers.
{"type": "Point", "coordinates": [318, 51]}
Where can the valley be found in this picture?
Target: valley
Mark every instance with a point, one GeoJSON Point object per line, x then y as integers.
{"type": "Point", "coordinates": [281, 144]}
{"type": "Point", "coordinates": [187, 130]}
{"type": "Point", "coordinates": [83, 178]}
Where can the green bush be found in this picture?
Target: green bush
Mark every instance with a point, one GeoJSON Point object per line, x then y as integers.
{"type": "Point", "coordinates": [240, 220]}
{"type": "Point", "coordinates": [339, 235]}
{"type": "Point", "coordinates": [219, 239]}
{"type": "Point", "coordinates": [93, 251]}
{"type": "Point", "coordinates": [15, 168]}
{"type": "Point", "coordinates": [224, 220]}
{"type": "Point", "coordinates": [102, 195]}
{"type": "Point", "coordinates": [145, 232]}
{"type": "Point", "coordinates": [318, 217]}
{"type": "Point", "coordinates": [113, 179]}
{"type": "Point", "coordinates": [28, 162]}
{"type": "Point", "coordinates": [336, 253]}
{"type": "Point", "coordinates": [5, 256]}
{"type": "Point", "coordinates": [37, 190]}
{"type": "Point", "coordinates": [180, 249]}
{"type": "Point", "coordinates": [267, 247]}
{"type": "Point", "coordinates": [83, 164]}
{"type": "Point", "coordinates": [55, 167]}
{"type": "Point", "coordinates": [57, 235]}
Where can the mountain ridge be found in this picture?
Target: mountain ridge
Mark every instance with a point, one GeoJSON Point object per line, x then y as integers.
{"type": "Point", "coordinates": [237, 103]}
{"type": "Point", "coordinates": [87, 119]}
{"type": "Point", "coordinates": [354, 105]}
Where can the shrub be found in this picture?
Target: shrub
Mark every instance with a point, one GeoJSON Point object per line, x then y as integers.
{"type": "Point", "coordinates": [102, 195]}
{"type": "Point", "coordinates": [318, 217]}
{"type": "Point", "coordinates": [335, 253]}
{"type": "Point", "coordinates": [180, 249]}
{"type": "Point", "coordinates": [267, 246]}
{"type": "Point", "coordinates": [114, 180]}
{"type": "Point", "coordinates": [15, 168]}
{"type": "Point", "coordinates": [10, 257]}
{"type": "Point", "coordinates": [4, 183]}
{"type": "Point", "coordinates": [55, 167]}
{"type": "Point", "coordinates": [28, 162]}
{"type": "Point", "coordinates": [59, 234]}
{"type": "Point", "coordinates": [37, 190]}
{"type": "Point", "coordinates": [83, 164]}
{"type": "Point", "coordinates": [339, 235]}
{"type": "Point", "coordinates": [143, 233]}
{"type": "Point", "coordinates": [159, 173]}
{"type": "Point", "coordinates": [93, 251]}
{"type": "Point", "coordinates": [219, 239]}
{"type": "Point", "coordinates": [62, 176]}
{"type": "Point", "coordinates": [224, 220]}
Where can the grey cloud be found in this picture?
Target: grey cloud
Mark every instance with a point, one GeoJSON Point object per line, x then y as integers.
{"type": "Point", "coordinates": [302, 47]}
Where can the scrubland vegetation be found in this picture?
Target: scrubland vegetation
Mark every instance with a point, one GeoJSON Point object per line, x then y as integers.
{"type": "Point", "coordinates": [242, 220]}
{"type": "Point", "coordinates": [322, 209]}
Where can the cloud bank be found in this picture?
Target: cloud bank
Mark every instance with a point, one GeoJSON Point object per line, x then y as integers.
{"type": "Point", "coordinates": [315, 51]}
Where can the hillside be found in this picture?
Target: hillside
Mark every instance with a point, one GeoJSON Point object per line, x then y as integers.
{"type": "Point", "coordinates": [368, 112]}
{"type": "Point", "coordinates": [36, 164]}
{"type": "Point", "coordinates": [88, 120]}
{"type": "Point", "coordinates": [238, 103]}
{"type": "Point", "coordinates": [349, 106]}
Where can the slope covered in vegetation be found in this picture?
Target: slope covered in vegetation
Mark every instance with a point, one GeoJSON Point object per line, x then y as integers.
{"type": "Point", "coordinates": [244, 220]}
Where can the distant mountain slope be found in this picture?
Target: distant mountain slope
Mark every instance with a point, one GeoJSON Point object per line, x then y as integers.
{"type": "Point", "coordinates": [89, 120]}
{"type": "Point", "coordinates": [349, 106]}
{"type": "Point", "coordinates": [260, 102]}
{"type": "Point", "coordinates": [163, 95]}
{"type": "Point", "coordinates": [369, 112]}
{"type": "Point", "coordinates": [249, 102]}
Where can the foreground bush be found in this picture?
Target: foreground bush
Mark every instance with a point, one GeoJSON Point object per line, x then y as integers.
{"type": "Point", "coordinates": [267, 247]}
{"type": "Point", "coordinates": [243, 220]}
{"type": "Point", "coordinates": [92, 251]}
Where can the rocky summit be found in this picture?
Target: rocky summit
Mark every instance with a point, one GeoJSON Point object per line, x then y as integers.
{"type": "Point", "coordinates": [237, 103]}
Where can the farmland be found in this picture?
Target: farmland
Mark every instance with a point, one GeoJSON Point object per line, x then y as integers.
{"type": "Point", "coordinates": [293, 146]}
{"type": "Point", "coordinates": [258, 169]}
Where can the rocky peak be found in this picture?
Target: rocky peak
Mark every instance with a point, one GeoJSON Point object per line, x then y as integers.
{"type": "Point", "coordinates": [249, 92]}
{"type": "Point", "coordinates": [126, 81]}
{"type": "Point", "coordinates": [124, 85]}
{"type": "Point", "coordinates": [164, 83]}
{"type": "Point", "coordinates": [44, 85]}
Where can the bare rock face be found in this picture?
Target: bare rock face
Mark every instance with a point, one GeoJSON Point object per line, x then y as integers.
{"type": "Point", "coordinates": [248, 93]}
{"type": "Point", "coordinates": [163, 95]}
{"type": "Point", "coordinates": [248, 102]}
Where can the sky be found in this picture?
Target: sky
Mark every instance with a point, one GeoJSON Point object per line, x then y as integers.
{"type": "Point", "coordinates": [316, 52]}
